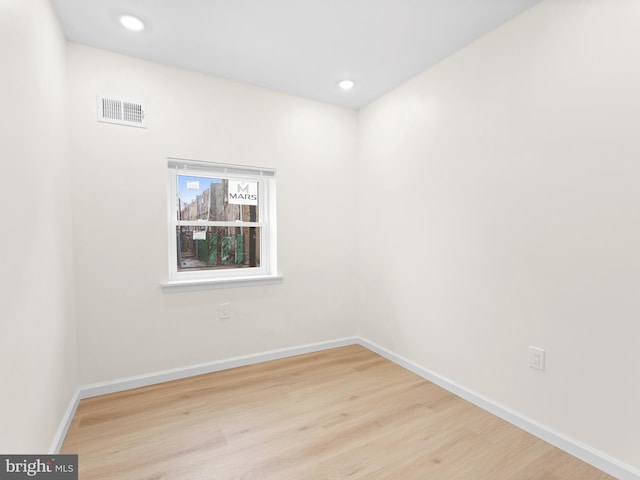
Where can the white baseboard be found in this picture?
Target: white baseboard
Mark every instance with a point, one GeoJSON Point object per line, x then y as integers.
{"type": "Point", "coordinates": [65, 423]}
{"type": "Point", "coordinates": [177, 373]}
{"type": "Point", "coordinates": [574, 447]}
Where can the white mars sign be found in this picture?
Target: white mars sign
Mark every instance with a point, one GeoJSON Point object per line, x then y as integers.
{"type": "Point", "coordinates": [242, 193]}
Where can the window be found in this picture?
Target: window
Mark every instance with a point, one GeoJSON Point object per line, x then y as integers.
{"type": "Point", "coordinates": [221, 223]}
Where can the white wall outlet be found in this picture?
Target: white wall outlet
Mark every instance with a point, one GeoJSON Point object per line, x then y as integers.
{"type": "Point", "coordinates": [224, 311]}
{"type": "Point", "coordinates": [536, 358]}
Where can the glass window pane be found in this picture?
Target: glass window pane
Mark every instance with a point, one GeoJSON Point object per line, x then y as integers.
{"type": "Point", "coordinates": [217, 199]}
{"type": "Point", "coordinates": [206, 248]}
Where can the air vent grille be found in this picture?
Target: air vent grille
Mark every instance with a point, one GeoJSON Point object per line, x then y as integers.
{"type": "Point", "coordinates": [122, 111]}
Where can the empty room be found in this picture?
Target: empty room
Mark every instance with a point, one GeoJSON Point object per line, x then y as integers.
{"type": "Point", "coordinates": [320, 239]}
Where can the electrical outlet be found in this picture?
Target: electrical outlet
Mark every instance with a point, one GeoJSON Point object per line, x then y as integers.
{"type": "Point", "coordinates": [536, 358]}
{"type": "Point", "coordinates": [224, 311]}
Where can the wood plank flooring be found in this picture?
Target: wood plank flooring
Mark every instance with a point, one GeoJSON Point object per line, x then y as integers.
{"type": "Point", "coordinates": [345, 413]}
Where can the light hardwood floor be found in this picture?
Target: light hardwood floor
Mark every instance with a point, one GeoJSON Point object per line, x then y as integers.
{"type": "Point", "coordinates": [345, 413]}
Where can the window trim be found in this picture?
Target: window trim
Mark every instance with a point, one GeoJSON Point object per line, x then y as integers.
{"type": "Point", "coordinates": [266, 272]}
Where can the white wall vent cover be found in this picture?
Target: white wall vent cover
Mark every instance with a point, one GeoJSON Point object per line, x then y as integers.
{"type": "Point", "coordinates": [122, 111]}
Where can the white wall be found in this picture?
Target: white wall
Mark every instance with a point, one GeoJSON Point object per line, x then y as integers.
{"type": "Point", "coordinates": [129, 326]}
{"type": "Point", "coordinates": [37, 328]}
{"type": "Point", "coordinates": [500, 201]}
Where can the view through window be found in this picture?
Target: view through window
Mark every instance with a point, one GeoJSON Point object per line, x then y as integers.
{"type": "Point", "coordinates": [220, 219]}
{"type": "Point", "coordinates": [204, 239]}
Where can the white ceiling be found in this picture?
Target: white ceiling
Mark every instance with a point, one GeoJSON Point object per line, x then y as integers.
{"type": "Point", "coordinates": [301, 47]}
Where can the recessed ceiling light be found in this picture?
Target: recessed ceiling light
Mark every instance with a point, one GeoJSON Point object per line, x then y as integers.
{"type": "Point", "coordinates": [131, 23]}
{"type": "Point", "coordinates": [346, 84]}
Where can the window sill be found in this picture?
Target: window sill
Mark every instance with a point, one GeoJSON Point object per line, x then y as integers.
{"type": "Point", "coordinates": [205, 284]}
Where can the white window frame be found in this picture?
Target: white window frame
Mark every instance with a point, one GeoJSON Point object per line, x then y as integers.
{"type": "Point", "coordinates": [267, 271]}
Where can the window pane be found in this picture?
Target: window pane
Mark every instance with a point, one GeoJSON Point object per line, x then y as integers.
{"type": "Point", "coordinates": [206, 248]}
{"type": "Point", "coordinates": [217, 199]}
